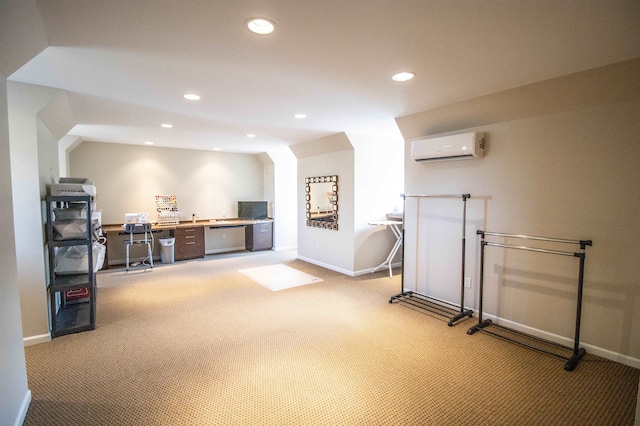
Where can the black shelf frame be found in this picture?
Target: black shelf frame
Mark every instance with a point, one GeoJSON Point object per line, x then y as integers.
{"type": "Point", "coordinates": [67, 317]}
{"type": "Point", "coordinates": [75, 318]}
{"type": "Point", "coordinates": [71, 282]}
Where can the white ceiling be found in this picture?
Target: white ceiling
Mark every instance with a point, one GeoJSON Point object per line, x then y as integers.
{"type": "Point", "coordinates": [126, 64]}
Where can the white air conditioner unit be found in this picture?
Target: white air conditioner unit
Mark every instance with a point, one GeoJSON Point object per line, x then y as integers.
{"type": "Point", "coordinates": [454, 147]}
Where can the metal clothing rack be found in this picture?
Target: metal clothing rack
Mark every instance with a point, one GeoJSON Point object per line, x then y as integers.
{"type": "Point", "coordinates": [577, 352]}
{"type": "Point", "coordinates": [428, 303]}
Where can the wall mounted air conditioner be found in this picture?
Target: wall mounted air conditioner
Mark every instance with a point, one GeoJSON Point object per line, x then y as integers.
{"type": "Point", "coordinates": [454, 147]}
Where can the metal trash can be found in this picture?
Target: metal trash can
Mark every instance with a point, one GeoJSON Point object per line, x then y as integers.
{"type": "Point", "coordinates": [166, 249]}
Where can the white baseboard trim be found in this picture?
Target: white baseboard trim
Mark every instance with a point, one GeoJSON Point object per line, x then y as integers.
{"type": "Point", "coordinates": [345, 271]}
{"type": "Point", "coordinates": [284, 248]}
{"type": "Point", "coordinates": [368, 270]}
{"type": "Point", "coordinates": [225, 250]}
{"type": "Point", "coordinates": [592, 349]}
{"type": "Point", "coordinates": [326, 266]}
{"type": "Point", "coordinates": [34, 340]}
{"type": "Point", "coordinates": [612, 356]}
{"type": "Point", "coordinates": [22, 414]}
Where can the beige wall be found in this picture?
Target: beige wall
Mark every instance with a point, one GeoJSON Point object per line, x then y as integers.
{"type": "Point", "coordinates": [379, 182]}
{"type": "Point", "coordinates": [370, 177]}
{"type": "Point", "coordinates": [128, 178]}
{"type": "Point", "coordinates": [329, 248]}
{"type": "Point", "coordinates": [568, 170]}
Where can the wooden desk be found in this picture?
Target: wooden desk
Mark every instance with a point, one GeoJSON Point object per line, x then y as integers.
{"type": "Point", "coordinates": [190, 237]}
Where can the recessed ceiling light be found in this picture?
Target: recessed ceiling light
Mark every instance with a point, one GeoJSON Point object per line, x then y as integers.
{"type": "Point", "coordinates": [403, 76]}
{"type": "Point", "coordinates": [217, 149]}
{"type": "Point", "coordinates": [148, 143]}
{"type": "Point", "coordinates": [301, 116]}
{"type": "Point", "coordinates": [192, 97]}
{"type": "Point", "coordinates": [166, 125]}
{"type": "Point", "coordinates": [261, 26]}
{"type": "Point", "coordinates": [251, 135]}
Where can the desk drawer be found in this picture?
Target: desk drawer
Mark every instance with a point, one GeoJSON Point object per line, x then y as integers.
{"type": "Point", "coordinates": [189, 243]}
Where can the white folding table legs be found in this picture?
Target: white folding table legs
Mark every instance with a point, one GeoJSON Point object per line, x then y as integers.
{"type": "Point", "coordinates": [395, 226]}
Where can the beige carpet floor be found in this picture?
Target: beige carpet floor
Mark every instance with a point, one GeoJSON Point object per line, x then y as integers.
{"type": "Point", "coordinates": [199, 343]}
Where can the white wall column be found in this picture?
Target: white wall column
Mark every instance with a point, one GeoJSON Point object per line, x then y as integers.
{"type": "Point", "coordinates": [284, 199]}
{"type": "Point", "coordinates": [14, 393]}
{"type": "Point", "coordinates": [24, 103]}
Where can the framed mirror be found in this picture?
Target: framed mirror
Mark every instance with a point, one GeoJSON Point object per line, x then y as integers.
{"type": "Point", "coordinates": [322, 201]}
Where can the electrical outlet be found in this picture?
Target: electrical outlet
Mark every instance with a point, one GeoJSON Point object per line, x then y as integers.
{"type": "Point", "coordinates": [224, 236]}
{"type": "Point", "coordinates": [467, 282]}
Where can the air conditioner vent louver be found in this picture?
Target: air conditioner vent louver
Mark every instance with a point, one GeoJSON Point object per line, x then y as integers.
{"type": "Point", "coordinates": [446, 148]}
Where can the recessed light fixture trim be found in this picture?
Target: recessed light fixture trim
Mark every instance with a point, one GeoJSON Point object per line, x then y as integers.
{"type": "Point", "coordinates": [260, 26]}
{"type": "Point", "coordinates": [166, 125]}
{"type": "Point", "coordinates": [192, 97]}
{"type": "Point", "coordinates": [403, 76]}
{"type": "Point", "coordinates": [300, 116]}
{"type": "Point", "coordinates": [148, 143]}
{"type": "Point", "coordinates": [251, 135]}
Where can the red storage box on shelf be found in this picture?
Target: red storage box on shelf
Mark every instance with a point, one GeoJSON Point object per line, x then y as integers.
{"type": "Point", "coordinates": [76, 296]}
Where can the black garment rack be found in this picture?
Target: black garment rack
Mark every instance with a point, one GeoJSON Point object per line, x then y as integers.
{"type": "Point", "coordinates": [431, 304]}
{"type": "Point", "coordinates": [578, 352]}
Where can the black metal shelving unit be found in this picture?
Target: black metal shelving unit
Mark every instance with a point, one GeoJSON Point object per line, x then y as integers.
{"type": "Point", "coordinates": [68, 314]}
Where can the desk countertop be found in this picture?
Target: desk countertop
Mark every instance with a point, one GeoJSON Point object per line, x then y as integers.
{"type": "Point", "coordinates": [212, 223]}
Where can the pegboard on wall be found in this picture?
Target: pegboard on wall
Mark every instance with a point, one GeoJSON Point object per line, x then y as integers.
{"type": "Point", "coordinates": [167, 208]}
